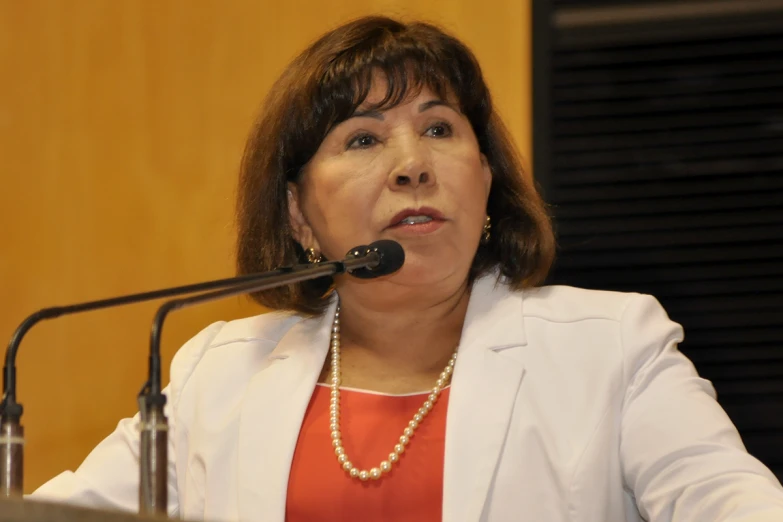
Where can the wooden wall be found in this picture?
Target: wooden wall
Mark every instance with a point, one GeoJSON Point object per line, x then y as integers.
{"type": "Point", "coordinates": [121, 128]}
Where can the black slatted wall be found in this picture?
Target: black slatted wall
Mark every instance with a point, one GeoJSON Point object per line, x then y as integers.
{"type": "Point", "coordinates": [660, 146]}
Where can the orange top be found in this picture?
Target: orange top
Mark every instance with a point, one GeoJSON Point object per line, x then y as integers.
{"type": "Point", "coordinates": [371, 424]}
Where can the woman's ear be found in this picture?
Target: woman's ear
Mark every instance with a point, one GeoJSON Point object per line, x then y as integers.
{"type": "Point", "coordinates": [303, 233]}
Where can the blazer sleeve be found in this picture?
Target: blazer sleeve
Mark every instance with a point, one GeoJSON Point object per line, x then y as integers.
{"type": "Point", "coordinates": [109, 476]}
{"type": "Point", "coordinates": [682, 457]}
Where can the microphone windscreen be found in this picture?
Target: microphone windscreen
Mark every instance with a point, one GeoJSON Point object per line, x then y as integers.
{"type": "Point", "coordinates": [391, 258]}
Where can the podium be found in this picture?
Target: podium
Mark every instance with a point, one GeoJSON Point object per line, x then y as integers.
{"type": "Point", "coordinates": [17, 510]}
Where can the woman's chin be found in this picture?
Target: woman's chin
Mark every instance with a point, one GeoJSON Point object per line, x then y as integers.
{"type": "Point", "coordinates": [426, 273]}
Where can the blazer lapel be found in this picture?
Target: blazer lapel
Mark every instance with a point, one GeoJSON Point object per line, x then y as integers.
{"type": "Point", "coordinates": [272, 414]}
{"type": "Point", "coordinates": [485, 385]}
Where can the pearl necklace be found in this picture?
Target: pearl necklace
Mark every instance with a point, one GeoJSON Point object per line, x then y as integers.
{"type": "Point", "coordinates": [334, 413]}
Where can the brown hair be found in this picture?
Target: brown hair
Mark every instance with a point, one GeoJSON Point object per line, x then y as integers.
{"type": "Point", "coordinates": [322, 87]}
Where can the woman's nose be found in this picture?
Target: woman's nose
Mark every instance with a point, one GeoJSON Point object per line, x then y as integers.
{"type": "Point", "coordinates": [405, 179]}
{"type": "Point", "coordinates": [415, 169]}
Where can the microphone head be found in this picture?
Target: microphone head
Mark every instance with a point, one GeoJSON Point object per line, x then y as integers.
{"type": "Point", "coordinates": [391, 258]}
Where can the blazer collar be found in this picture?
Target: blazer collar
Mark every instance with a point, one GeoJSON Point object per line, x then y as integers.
{"type": "Point", "coordinates": [271, 417]}
{"type": "Point", "coordinates": [487, 377]}
{"type": "Point", "coordinates": [494, 317]}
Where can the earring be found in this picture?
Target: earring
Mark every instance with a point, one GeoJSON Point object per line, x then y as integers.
{"type": "Point", "coordinates": [313, 256]}
{"type": "Point", "coordinates": [487, 232]}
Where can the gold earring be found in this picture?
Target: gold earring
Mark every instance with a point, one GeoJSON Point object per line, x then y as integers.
{"type": "Point", "coordinates": [487, 232]}
{"type": "Point", "coordinates": [313, 256]}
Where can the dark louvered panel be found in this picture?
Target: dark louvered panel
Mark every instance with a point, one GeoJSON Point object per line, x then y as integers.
{"type": "Point", "coordinates": [664, 165]}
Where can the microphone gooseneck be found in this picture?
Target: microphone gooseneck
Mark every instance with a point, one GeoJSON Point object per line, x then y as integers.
{"type": "Point", "coordinates": [375, 260]}
{"type": "Point", "coordinates": [11, 430]}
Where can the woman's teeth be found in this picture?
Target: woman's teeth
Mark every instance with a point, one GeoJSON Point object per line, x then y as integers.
{"type": "Point", "coordinates": [412, 220]}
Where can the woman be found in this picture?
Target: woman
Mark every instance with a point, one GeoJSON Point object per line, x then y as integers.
{"type": "Point", "coordinates": [453, 389]}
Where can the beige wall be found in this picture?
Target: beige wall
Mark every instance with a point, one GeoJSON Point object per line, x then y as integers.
{"type": "Point", "coordinates": [121, 127]}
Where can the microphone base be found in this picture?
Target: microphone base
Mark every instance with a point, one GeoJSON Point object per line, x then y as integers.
{"type": "Point", "coordinates": [11, 458]}
{"type": "Point", "coordinates": [153, 465]}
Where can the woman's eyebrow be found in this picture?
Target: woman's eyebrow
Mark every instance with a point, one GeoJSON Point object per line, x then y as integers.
{"type": "Point", "coordinates": [436, 103]}
{"type": "Point", "coordinates": [378, 115]}
{"type": "Point", "coordinates": [372, 113]}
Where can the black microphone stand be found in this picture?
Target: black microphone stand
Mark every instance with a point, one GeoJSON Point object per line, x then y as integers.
{"type": "Point", "coordinates": [380, 258]}
{"type": "Point", "coordinates": [153, 479]}
{"type": "Point", "coordinates": [11, 429]}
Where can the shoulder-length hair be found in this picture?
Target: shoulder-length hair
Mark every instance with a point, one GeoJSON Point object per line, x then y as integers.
{"type": "Point", "coordinates": [322, 87]}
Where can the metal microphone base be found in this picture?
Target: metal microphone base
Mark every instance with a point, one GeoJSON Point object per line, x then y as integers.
{"type": "Point", "coordinates": [11, 458]}
{"type": "Point", "coordinates": [153, 461]}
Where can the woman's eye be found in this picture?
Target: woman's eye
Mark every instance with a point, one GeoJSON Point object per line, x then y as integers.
{"type": "Point", "coordinates": [440, 130]}
{"type": "Point", "coordinates": [362, 141]}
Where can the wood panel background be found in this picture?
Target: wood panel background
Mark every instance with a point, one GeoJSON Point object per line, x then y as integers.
{"type": "Point", "coordinates": [121, 128]}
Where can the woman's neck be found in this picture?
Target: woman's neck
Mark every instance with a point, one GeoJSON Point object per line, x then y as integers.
{"type": "Point", "coordinates": [416, 334]}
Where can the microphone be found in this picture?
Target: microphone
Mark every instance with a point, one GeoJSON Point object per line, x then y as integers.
{"type": "Point", "coordinates": [391, 257]}
{"type": "Point", "coordinates": [374, 258]}
{"type": "Point", "coordinates": [378, 259]}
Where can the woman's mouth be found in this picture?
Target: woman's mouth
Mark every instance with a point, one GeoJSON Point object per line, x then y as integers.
{"type": "Point", "coordinates": [417, 221]}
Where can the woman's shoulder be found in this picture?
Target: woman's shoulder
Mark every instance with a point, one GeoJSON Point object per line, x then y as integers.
{"type": "Point", "coordinates": [638, 322]}
{"type": "Point", "coordinates": [560, 303]}
{"type": "Point", "coordinates": [229, 346]}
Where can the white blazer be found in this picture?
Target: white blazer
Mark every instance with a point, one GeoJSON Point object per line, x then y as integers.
{"type": "Point", "coordinates": [565, 405]}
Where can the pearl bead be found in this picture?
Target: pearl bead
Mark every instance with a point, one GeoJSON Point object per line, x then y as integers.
{"type": "Point", "coordinates": [441, 383]}
{"type": "Point", "coordinates": [394, 457]}
{"type": "Point", "coordinates": [347, 465]}
{"type": "Point", "coordinates": [385, 466]}
{"type": "Point", "coordinates": [399, 448]}
{"type": "Point", "coordinates": [423, 411]}
{"type": "Point", "coordinates": [354, 472]}
{"type": "Point", "coordinates": [342, 459]}
{"type": "Point", "coordinates": [408, 431]}
{"type": "Point", "coordinates": [428, 404]}
{"type": "Point", "coordinates": [433, 397]}
{"type": "Point", "coordinates": [335, 434]}
{"type": "Point", "coordinates": [413, 424]}
{"type": "Point", "coordinates": [334, 426]}
{"type": "Point", "coordinates": [337, 443]}
{"type": "Point", "coordinates": [375, 473]}
{"type": "Point", "coordinates": [339, 451]}
{"type": "Point", "coordinates": [404, 440]}
{"type": "Point", "coordinates": [364, 475]}
{"type": "Point", "coordinates": [418, 418]}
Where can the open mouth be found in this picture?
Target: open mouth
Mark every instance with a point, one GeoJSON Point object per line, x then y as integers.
{"type": "Point", "coordinates": [415, 220]}
{"type": "Point", "coordinates": [416, 216]}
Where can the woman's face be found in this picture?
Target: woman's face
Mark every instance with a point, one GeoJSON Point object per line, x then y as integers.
{"type": "Point", "coordinates": [412, 173]}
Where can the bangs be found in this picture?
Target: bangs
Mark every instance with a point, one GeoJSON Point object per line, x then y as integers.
{"type": "Point", "coordinates": [404, 80]}
{"type": "Point", "coordinates": [409, 59]}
